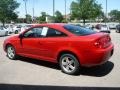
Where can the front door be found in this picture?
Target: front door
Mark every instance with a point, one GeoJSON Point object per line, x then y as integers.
{"type": "Point", "coordinates": [29, 44]}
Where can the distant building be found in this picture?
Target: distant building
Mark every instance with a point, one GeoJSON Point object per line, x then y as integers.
{"type": "Point", "coordinates": [49, 19]}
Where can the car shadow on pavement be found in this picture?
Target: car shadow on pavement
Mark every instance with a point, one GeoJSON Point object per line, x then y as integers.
{"type": "Point", "coordinates": [98, 71]}
{"type": "Point", "coordinates": [40, 62]}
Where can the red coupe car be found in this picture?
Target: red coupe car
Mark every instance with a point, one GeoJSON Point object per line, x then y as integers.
{"type": "Point", "coordinates": [70, 46]}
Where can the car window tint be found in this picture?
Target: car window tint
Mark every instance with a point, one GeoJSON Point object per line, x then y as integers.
{"type": "Point", "coordinates": [54, 33]}
{"type": "Point", "coordinates": [77, 30]}
{"type": "Point", "coordinates": [38, 31]}
{"type": "Point", "coordinates": [34, 32]}
{"type": "Point", "coordinates": [30, 33]}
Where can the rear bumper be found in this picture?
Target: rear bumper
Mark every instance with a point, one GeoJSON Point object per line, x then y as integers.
{"type": "Point", "coordinates": [97, 57]}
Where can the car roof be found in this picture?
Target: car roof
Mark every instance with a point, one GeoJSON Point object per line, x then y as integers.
{"type": "Point", "coordinates": [53, 25]}
{"type": "Point", "coordinates": [50, 24]}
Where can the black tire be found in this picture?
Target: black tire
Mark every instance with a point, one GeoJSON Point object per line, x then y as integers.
{"type": "Point", "coordinates": [76, 64]}
{"type": "Point", "coordinates": [13, 51]}
{"type": "Point", "coordinates": [16, 32]}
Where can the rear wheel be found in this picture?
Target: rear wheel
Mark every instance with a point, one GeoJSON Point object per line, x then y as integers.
{"type": "Point", "coordinates": [11, 52]}
{"type": "Point", "coordinates": [69, 64]}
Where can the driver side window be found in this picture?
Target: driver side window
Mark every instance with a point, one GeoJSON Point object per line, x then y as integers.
{"type": "Point", "coordinates": [33, 33]}
{"type": "Point", "coordinates": [30, 34]}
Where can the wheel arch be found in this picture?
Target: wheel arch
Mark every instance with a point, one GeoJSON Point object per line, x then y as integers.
{"type": "Point", "coordinates": [67, 52]}
{"type": "Point", "coordinates": [8, 45]}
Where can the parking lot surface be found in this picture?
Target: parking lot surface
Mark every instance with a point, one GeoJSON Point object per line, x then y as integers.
{"type": "Point", "coordinates": [34, 72]}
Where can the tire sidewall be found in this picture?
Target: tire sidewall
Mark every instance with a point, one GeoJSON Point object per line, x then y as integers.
{"type": "Point", "coordinates": [77, 65]}
{"type": "Point", "coordinates": [14, 52]}
{"type": "Point", "coordinates": [16, 32]}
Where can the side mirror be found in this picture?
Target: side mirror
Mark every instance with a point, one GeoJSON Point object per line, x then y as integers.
{"type": "Point", "coordinates": [21, 36]}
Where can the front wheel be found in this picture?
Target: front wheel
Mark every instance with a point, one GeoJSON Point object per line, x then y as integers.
{"type": "Point", "coordinates": [69, 64]}
{"type": "Point", "coordinates": [11, 52]}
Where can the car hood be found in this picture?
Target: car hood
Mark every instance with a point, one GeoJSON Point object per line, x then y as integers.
{"type": "Point", "coordinates": [13, 37]}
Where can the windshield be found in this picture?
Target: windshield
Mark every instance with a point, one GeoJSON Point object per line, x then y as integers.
{"type": "Point", "coordinates": [77, 30]}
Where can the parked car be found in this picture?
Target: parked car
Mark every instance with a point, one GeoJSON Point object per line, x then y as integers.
{"type": "Point", "coordinates": [23, 28]}
{"type": "Point", "coordinates": [3, 31]}
{"type": "Point", "coordinates": [68, 45]}
{"type": "Point", "coordinates": [14, 28]}
{"type": "Point", "coordinates": [118, 28]}
{"type": "Point", "coordinates": [102, 28]}
{"type": "Point", "coordinates": [112, 26]}
{"type": "Point", "coordinates": [88, 26]}
{"type": "Point", "coordinates": [105, 28]}
{"type": "Point", "coordinates": [98, 26]}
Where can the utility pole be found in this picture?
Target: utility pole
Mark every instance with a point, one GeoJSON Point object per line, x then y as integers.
{"type": "Point", "coordinates": [65, 12]}
{"type": "Point", "coordinates": [25, 1]}
{"type": "Point", "coordinates": [33, 10]}
{"type": "Point", "coordinates": [106, 12]}
{"type": "Point", "coordinates": [33, 14]}
{"type": "Point", "coordinates": [53, 8]}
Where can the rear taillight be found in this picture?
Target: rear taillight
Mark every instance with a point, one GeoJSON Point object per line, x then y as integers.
{"type": "Point", "coordinates": [98, 44]}
{"type": "Point", "coordinates": [103, 42]}
{"type": "Point", "coordinates": [109, 38]}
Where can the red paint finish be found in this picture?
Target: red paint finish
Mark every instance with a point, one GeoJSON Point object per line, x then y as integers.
{"type": "Point", "coordinates": [90, 50]}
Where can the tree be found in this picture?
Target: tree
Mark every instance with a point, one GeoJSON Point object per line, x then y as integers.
{"type": "Point", "coordinates": [28, 18]}
{"type": "Point", "coordinates": [58, 17]}
{"type": "Point", "coordinates": [42, 18]}
{"type": "Point", "coordinates": [102, 17]}
{"type": "Point", "coordinates": [85, 9]}
{"type": "Point", "coordinates": [7, 10]}
{"type": "Point", "coordinates": [114, 15]}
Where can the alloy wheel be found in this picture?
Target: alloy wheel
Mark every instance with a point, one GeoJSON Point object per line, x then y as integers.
{"type": "Point", "coordinates": [10, 52]}
{"type": "Point", "coordinates": [68, 64]}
